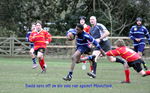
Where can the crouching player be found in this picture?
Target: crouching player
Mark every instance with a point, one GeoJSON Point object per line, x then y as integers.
{"type": "Point", "coordinates": [40, 38]}
{"type": "Point", "coordinates": [82, 39]}
{"type": "Point", "coordinates": [133, 59]}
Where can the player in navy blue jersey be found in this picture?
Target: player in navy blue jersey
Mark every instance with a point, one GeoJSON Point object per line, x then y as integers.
{"type": "Point", "coordinates": [138, 33]}
{"type": "Point", "coordinates": [82, 43]}
{"type": "Point", "coordinates": [31, 52]}
{"type": "Point", "coordinates": [100, 33]}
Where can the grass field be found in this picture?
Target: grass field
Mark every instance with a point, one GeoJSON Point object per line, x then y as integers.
{"type": "Point", "coordinates": [17, 76]}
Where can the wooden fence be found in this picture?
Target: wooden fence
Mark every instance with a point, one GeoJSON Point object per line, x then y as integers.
{"type": "Point", "coordinates": [59, 47]}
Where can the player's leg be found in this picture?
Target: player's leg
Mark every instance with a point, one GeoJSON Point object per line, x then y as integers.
{"type": "Point", "coordinates": [93, 66]}
{"type": "Point", "coordinates": [137, 67]}
{"type": "Point", "coordinates": [83, 63]}
{"type": "Point", "coordinates": [40, 56]}
{"type": "Point", "coordinates": [31, 52]}
{"type": "Point", "coordinates": [75, 59]}
{"type": "Point", "coordinates": [140, 52]}
{"type": "Point", "coordinates": [114, 59]}
{"type": "Point", "coordinates": [127, 73]}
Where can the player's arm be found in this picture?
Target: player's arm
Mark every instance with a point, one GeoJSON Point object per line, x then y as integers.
{"type": "Point", "coordinates": [147, 34]}
{"type": "Point", "coordinates": [95, 43]}
{"type": "Point", "coordinates": [27, 36]}
{"type": "Point", "coordinates": [48, 37]}
{"type": "Point", "coordinates": [106, 33]}
{"type": "Point", "coordinates": [114, 52]}
{"type": "Point", "coordinates": [32, 37]}
{"type": "Point", "coordinates": [131, 34]}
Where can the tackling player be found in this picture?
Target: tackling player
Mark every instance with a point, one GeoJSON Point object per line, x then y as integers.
{"type": "Point", "coordinates": [133, 59]}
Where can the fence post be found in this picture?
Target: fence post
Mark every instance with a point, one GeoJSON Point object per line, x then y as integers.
{"type": "Point", "coordinates": [12, 45]}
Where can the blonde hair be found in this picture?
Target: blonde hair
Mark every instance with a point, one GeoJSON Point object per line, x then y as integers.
{"type": "Point", "coordinates": [120, 43]}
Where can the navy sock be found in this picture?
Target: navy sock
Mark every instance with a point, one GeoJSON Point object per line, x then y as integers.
{"type": "Point", "coordinates": [34, 60]}
{"type": "Point", "coordinates": [90, 57]}
{"type": "Point", "coordinates": [94, 67]}
{"type": "Point", "coordinates": [70, 73]}
{"type": "Point", "coordinates": [118, 60]}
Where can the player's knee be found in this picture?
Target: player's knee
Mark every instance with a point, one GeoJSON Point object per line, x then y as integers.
{"type": "Point", "coordinates": [111, 59]}
{"type": "Point", "coordinates": [142, 72]}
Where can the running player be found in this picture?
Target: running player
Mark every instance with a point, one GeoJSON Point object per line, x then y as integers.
{"type": "Point", "coordinates": [40, 38]}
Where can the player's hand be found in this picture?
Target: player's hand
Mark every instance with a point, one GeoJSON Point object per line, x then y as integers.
{"type": "Point", "coordinates": [34, 36]}
{"type": "Point", "coordinates": [47, 42]}
{"type": "Point", "coordinates": [98, 40]}
{"type": "Point", "coordinates": [103, 52]}
{"type": "Point", "coordinates": [138, 40]}
{"type": "Point", "coordinates": [91, 45]}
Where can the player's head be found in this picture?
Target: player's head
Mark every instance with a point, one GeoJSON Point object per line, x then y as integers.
{"type": "Point", "coordinates": [93, 20]}
{"type": "Point", "coordinates": [79, 28]}
{"type": "Point", "coordinates": [82, 20]}
{"type": "Point", "coordinates": [38, 25]}
{"type": "Point", "coordinates": [33, 26]}
{"type": "Point", "coordinates": [120, 43]}
{"type": "Point", "coordinates": [139, 21]}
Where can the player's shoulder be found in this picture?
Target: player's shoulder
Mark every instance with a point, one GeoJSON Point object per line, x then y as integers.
{"type": "Point", "coordinates": [72, 31]}
{"type": "Point", "coordinates": [134, 26]}
{"type": "Point", "coordinates": [144, 27]}
{"type": "Point", "coordinates": [86, 35]}
{"type": "Point", "coordinates": [44, 30]}
{"type": "Point", "coordinates": [101, 26]}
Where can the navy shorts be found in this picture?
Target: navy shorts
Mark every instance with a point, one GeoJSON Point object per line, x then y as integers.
{"type": "Point", "coordinates": [31, 45]}
{"type": "Point", "coordinates": [136, 65]}
{"type": "Point", "coordinates": [84, 49]}
{"type": "Point", "coordinates": [139, 48]}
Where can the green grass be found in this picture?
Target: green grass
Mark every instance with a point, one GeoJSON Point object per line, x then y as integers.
{"type": "Point", "coordinates": [16, 74]}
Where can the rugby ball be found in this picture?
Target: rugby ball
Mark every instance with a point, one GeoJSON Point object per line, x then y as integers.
{"type": "Point", "coordinates": [70, 36]}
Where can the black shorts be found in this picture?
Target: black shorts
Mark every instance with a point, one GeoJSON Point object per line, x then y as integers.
{"type": "Point", "coordinates": [42, 50]}
{"type": "Point", "coordinates": [105, 45]}
{"type": "Point", "coordinates": [136, 65]}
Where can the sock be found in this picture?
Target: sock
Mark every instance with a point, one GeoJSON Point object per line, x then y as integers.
{"type": "Point", "coordinates": [34, 60]}
{"type": "Point", "coordinates": [94, 67]}
{"type": "Point", "coordinates": [83, 61]}
{"type": "Point", "coordinates": [90, 57]}
{"type": "Point", "coordinates": [42, 63]}
{"type": "Point", "coordinates": [147, 72]}
{"type": "Point", "coordinates": [127, 74]}
{"type": "Point", "coordinates": [118, 60]}
{"type": "Point", "coordinates": [144, 64]}
{"type": "Point", "coordinates": [70, 73]}
{"type": "Point", "coordinates": [91, 68]}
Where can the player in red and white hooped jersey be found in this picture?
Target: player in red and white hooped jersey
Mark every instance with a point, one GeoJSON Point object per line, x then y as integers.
{"type": "Point", "coordinates": [40, 38]}
{"type": "Point", "coordinates": [133, 59]}
{"type": "Point", "coordinates": [87, 30]}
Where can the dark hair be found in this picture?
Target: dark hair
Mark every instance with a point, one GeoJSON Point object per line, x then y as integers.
{"type": "Point", "coordinates": [80, 26]}
{"type": "Point", "coordinates": [139, 19]}
{"type": "Point", "coordinates": [82, 17]}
